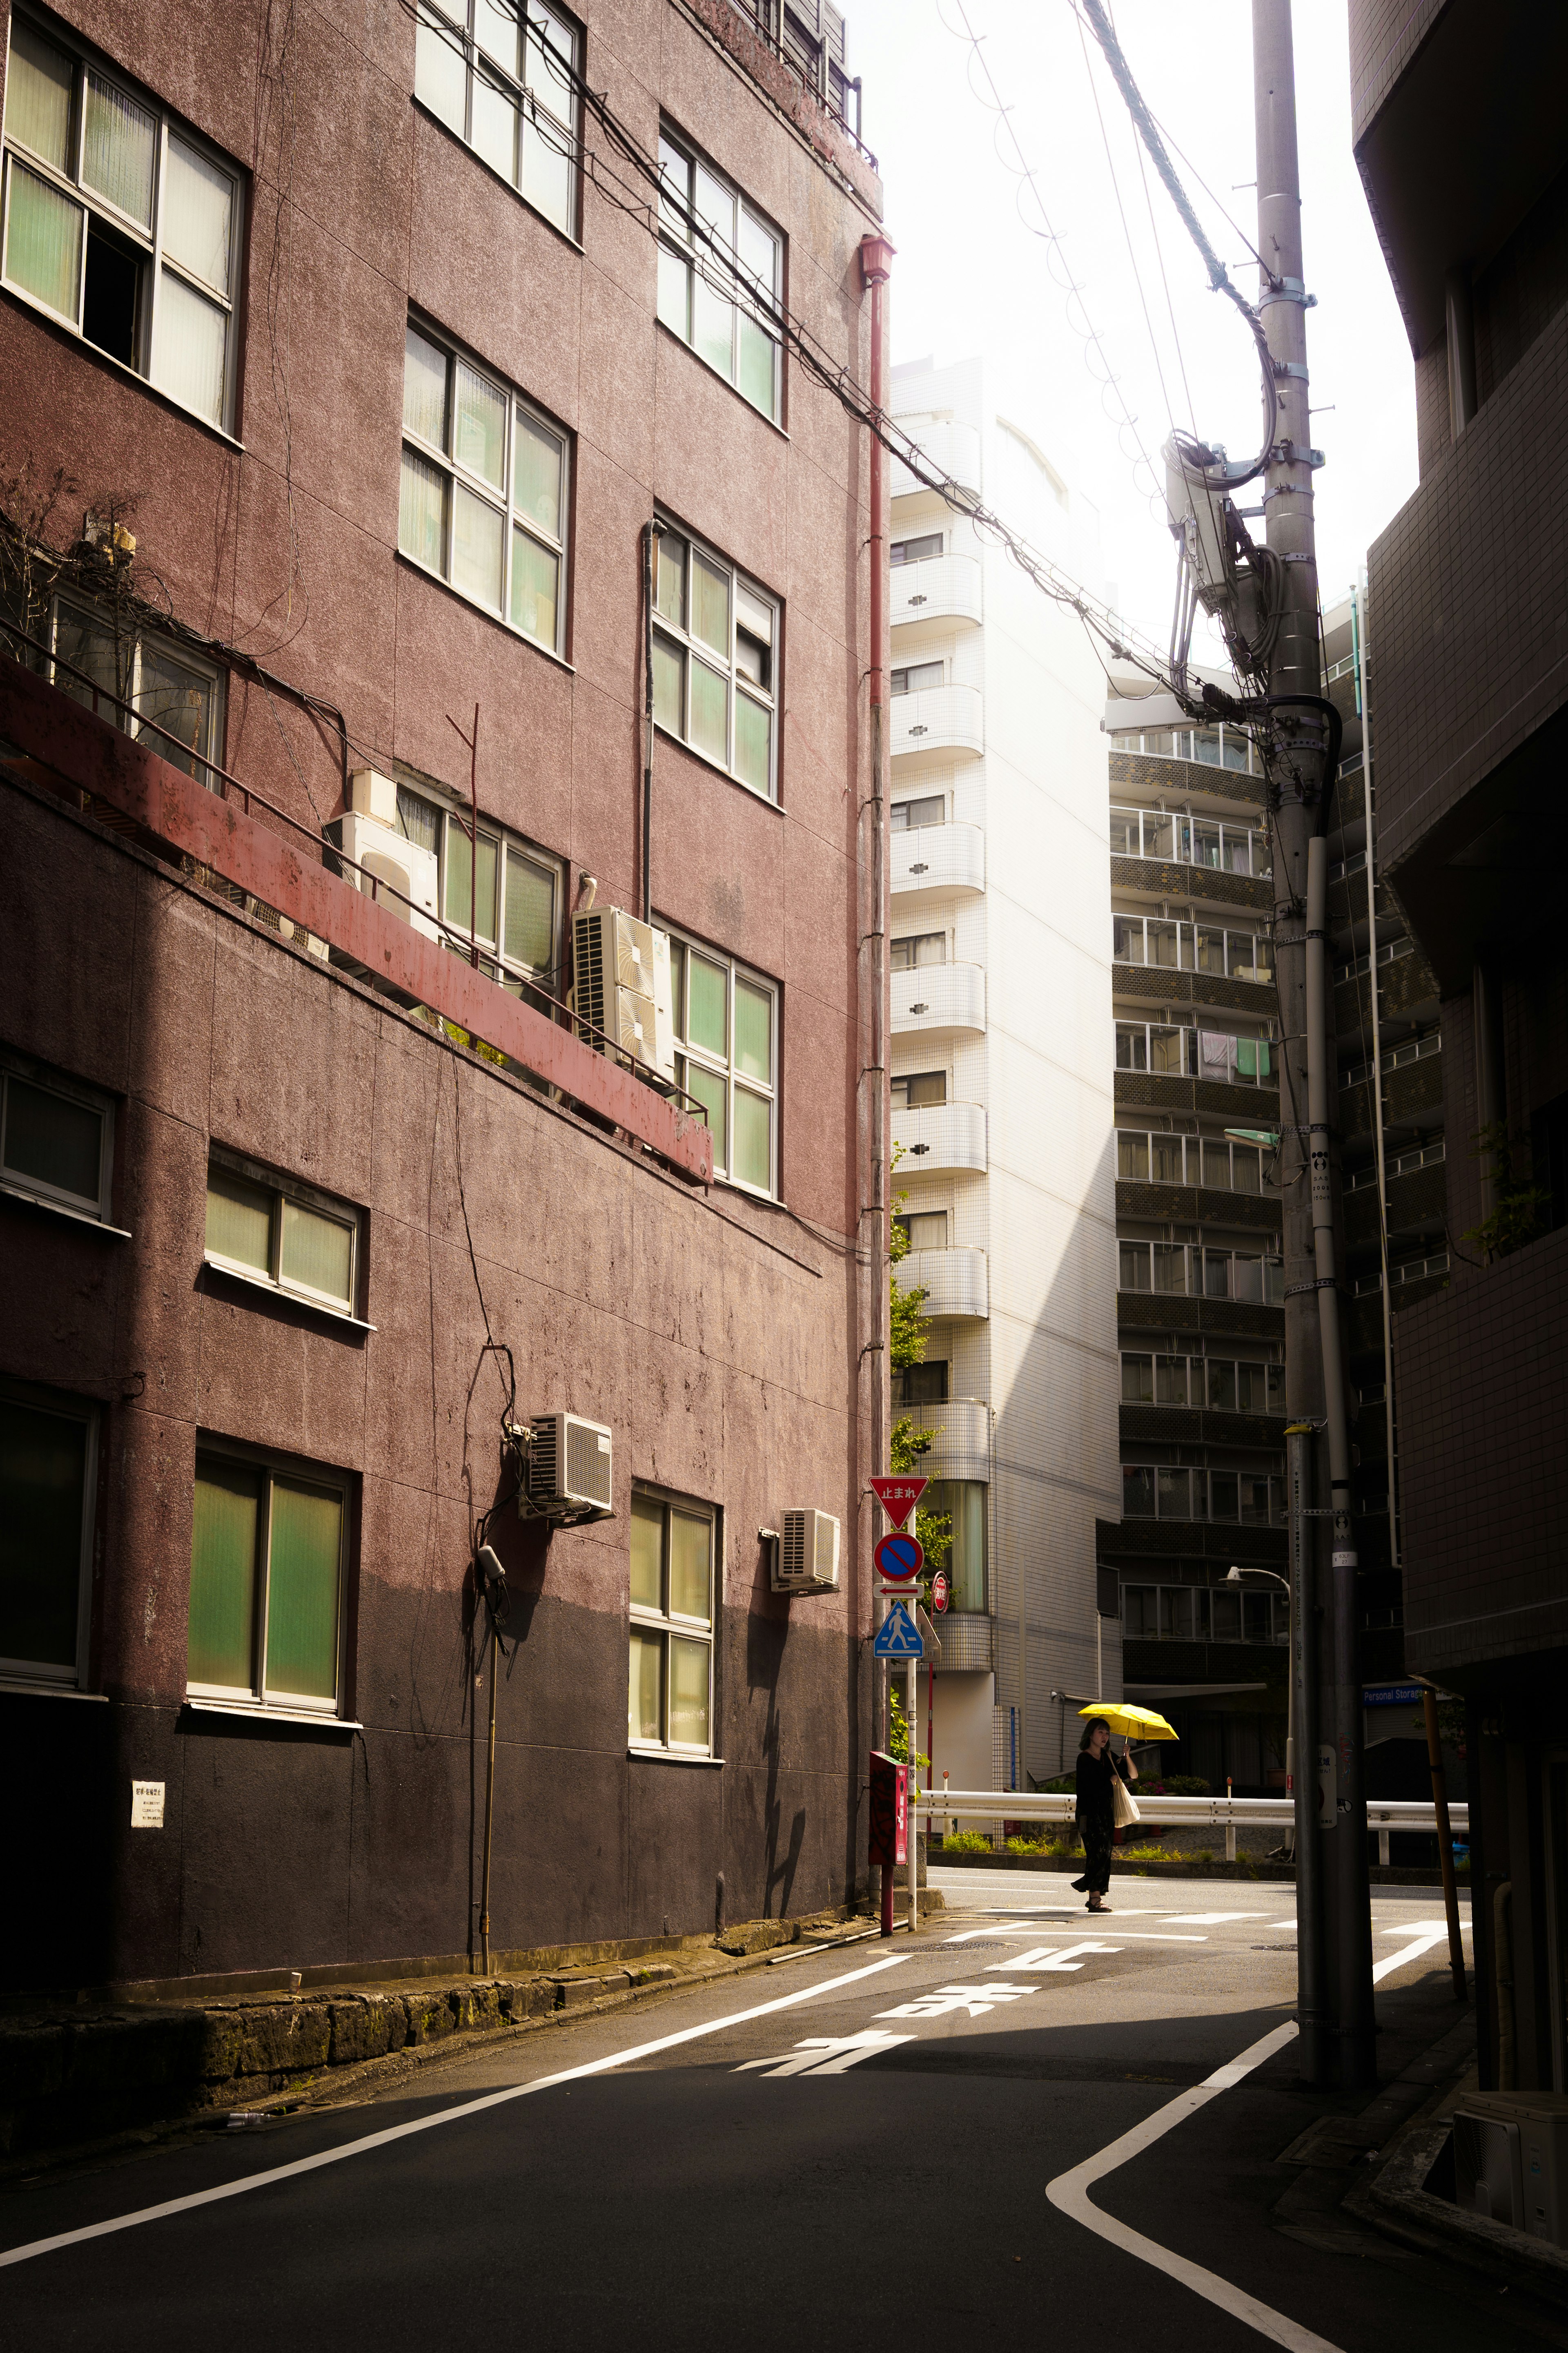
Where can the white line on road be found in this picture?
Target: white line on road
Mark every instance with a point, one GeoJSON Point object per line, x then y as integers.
{"type": "Point", "coordinates": [446, 2116]}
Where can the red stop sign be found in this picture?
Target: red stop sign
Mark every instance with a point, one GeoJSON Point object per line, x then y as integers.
{"type": "Point", "coordinates": [939, 1591]}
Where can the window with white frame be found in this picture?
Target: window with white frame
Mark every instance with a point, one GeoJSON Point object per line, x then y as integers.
{"type": "Point", "coordinates": [506, 892]}
{"type": "Point", "coordinates": [670, 1682]}
{"type": "Point", "coordinates": [503, 75]}
{"type": "Point", "coordinates": [56, 1140]}
{"type": "Point", "coordinates": [483, 499]}
{"type": "Point", "coordinates": [268, 1546]}
{"type": "Point", "coordinates": [286, 1235]}
{"type": "Point", "coordinates": [923, 1229]}
{"type": "Point", "coordinates": [715, 660]}
{"type": "Point", "coordinates": [726, 1031]}
{"type": "Point", "coordinates": [918, 948]}
{"type": "Point", "coordinates": [919, 1089]}
{"type": "Point", "coordinates": [48, 1455]}
{"type": "Point", "coordinates": [913, 677]}
{"type": "Point", "coordinates": [914, 551]}
{"type": "Point", "coordinates": [721, 274]}
{"type": "Point", "coordinates": [904, 816]}
{"type": "Point", "coordinates": [120, 223]}
{"type": "Point", "coordinates": [153, 689]}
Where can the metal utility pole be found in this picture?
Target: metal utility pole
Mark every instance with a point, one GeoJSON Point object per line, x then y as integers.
{"type": "Point", "coordinates": [1305, 737]}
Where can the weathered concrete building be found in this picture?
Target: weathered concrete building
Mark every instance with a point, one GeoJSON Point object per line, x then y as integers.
{"type": "Point", "coordinates": [419, 377]}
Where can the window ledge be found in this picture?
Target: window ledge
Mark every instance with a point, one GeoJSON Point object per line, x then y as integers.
{"type": "Point", "coordinates": [280, 1291]}
{"type": "Point", "coordinates": [671, 1756]}
{"type": "Point", "coordinates": [486, 612]}
{"type": "Point", "coordinates": [257, 1713]}
{"type": "Point", "coordinates": [718, 373]}
{"type": "Point", "coordinates": [762, 799]}
{"type": "Point", "coordinates": [12, 1192]}
{"type": "Point", "coordinates": [74, 335]}
{"type": "Point", "coordinates": [50, 1691]}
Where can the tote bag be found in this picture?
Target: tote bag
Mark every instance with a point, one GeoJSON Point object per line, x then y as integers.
{"type": "Point", "coordinates": [1124, 1805]}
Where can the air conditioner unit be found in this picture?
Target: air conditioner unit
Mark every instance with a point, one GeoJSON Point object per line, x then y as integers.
{"type": "Point", "coordinates": [569, 1473]}
{"type": "Point", "coordinates": [1511, 2160]}
{"type": "Point", "coordinates": [621, 974]}
{"type": "Point", "coordinates": [367, 833]}
{"type": "Point", "coordinates": [807, 1556]}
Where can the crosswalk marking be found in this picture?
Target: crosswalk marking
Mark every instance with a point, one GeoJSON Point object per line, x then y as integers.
{"type": "Point", "coordinates": [825, 2054]}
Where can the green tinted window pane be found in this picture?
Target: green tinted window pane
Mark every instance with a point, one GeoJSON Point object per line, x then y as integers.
{"type": "Point", "coordinates": [710, 605]}
{"type": "Point", "coordinates": [55, 1141]}
{"type": "Point", "coordinates": [753, 744]}
{"type": "Point", "coordinates": [691, 1565]}
{"type": "Point", "coordinates": [239, 1220]}
{"type": "Point", "coordinates": [496, 126]}
{"type": "Point", "coordinates": [715, 207]}
{"type": "Point", "coordinates": [117, 144]}
{"type": "Point", "coordinates": [477, 547]}
{"type": "Point", "coordinates": [760, 251]}
{"type": "Point", "coordinates": [422, 511]}
{"type": "Point", "coordinates": [302, 1590]}
{"type": "Point", "coordinates": [38, 95]}
{"type": "Point", "coordinates": [536, 474]}
{"type": "Point", "coordinates": [43, 1465]}
{"type": "Point", "coordinates": [222, 1624]}
{"type": "Point", "coordinates": [668, 684]}
{"type": "Point", "coordinates": [711, 712]}
{"type": "Point", "coordinates": [459, 878]}
{"type": "Point", "coordinates": [547, 168]}
{"type": "Point", "coordinates": [530, 913]}
{"type": "Point", "coordinates": [536, 589]}
{"type": "Point", "coordinates": [713, 323]}
{"type": "Point", "coordinates": [645, 1695]}
{"type": "Point", "coordinates": [756, 377]}
{"type": "Point", "coordinates": [671, 596]}
{"type": "Point", "coordinates": [175, 700]}
{"type": "Point", "coordinates": [42, 241]}
{"type": "Point", "coordinates": [709, 1014]}
{"type": "Point", "coordinates": [198, 209]}
{"type": "Point", "coordinates": [753, 1140]}
{"type": "Point", "coordinates": [647, 1553]}
{"type": "Point", "coordinates": [675, 292]}
{"type": "Point", "coordinates": [711, 1090]}
{"type": "Point", "coordinates": [424, 388]}
{"type": "Point", "coordinates": [754, 1031]}
{"type": "Point", "coordinates": [317, 1253]}
{"type": "Point", "coordinates": [689, 1692]}
{"type": "Point", "coordinates": [479, 429]}
{"type": "Point", "coordinates": [678, 984]}
{"type": "Point", "coordinates": [440, 79]}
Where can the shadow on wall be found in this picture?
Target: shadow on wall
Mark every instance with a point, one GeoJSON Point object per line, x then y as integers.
{"type": "Point", "coordinates": [767, 1632]}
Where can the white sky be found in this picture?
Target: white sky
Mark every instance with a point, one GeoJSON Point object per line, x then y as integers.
{"type": "Point", "coordinates": [969, 278]}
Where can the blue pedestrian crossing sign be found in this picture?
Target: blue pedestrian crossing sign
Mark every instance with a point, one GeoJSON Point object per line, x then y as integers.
{"type": "Point", "coordinates": [898, 1636]}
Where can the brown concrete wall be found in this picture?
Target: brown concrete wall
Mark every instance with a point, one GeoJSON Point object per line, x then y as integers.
{"type": "Point", "coordinates": [716, 1334]}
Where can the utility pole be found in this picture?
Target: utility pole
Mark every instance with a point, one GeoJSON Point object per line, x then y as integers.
{"type": "Point", "coordinates": [1304, 739]}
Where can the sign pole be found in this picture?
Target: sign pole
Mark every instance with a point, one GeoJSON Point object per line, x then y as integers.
{"type": "Point", "coordinates": [914, 1842]}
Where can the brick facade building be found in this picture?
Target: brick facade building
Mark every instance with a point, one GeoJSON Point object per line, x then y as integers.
{"type": "Point", "coordinates": [354, 379]}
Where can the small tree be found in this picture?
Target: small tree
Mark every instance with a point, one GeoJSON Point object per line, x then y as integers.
{"type": "Point", "coordinates": [1514, 1220]}
{"type": "Point", "coordinates": [907, 1346]}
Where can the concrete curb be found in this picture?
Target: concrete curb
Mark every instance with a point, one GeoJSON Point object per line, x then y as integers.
{"type": "Point", "coordinates": [1394, 2201]}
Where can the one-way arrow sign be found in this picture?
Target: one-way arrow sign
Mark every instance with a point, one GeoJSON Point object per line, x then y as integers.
{"type": "Point", "coordinates": [898, 1637]}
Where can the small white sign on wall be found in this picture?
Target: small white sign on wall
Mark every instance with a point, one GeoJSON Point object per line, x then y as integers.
{"type": "Point", "coordinates": [146, 1805]}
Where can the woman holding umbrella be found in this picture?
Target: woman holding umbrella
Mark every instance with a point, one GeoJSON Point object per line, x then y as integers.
{"type": "Point", "coordinates": [1097, 1772]}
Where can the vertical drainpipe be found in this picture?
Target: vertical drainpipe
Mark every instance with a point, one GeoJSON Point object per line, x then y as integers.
{"type": "Point", "coordinates": [876, 265]}
{"type": "Point", "coordinates": [1358, 623]}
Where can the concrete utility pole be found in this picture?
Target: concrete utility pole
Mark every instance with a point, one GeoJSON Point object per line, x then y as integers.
{"type": "Point", "coordinates": [1314, 1363]}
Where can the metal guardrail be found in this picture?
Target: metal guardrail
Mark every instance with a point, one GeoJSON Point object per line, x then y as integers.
{"type": "Point", "coordinates": [1229, 1814]}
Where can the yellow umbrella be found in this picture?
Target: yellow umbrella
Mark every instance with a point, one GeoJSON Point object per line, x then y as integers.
{"type": "Point", "coordinates": [1136, 1722]}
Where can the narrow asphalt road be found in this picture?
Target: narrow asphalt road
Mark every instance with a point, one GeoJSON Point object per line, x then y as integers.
{"type": "Point", "coordinates": [869, 2146]}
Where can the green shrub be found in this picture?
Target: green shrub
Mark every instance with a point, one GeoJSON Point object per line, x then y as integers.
{"type": "Point", "coordinates": [1185, 1784]}
{"type": "Point", "coordinates": [1026, 1846]}
{"type": "Point", "coordinates": [966, 1842]}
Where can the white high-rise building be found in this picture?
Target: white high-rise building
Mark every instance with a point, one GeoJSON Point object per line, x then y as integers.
{"type": "Point", "coordinates": [1002, 1062]}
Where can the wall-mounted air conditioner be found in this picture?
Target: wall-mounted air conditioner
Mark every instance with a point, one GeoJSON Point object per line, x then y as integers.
{"type": "Point", "coordinates": [568, 1469]}
{"type": "Point", "coordinates": [367, 833]}
{"type": "Point", "coordinates": [806, 1560]}
{"type": "Point", "coordinates": [621, 976]}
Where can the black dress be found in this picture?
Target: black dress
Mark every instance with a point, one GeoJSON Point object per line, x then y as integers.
{"type": "Point", "coordinates": [1096, 1816]}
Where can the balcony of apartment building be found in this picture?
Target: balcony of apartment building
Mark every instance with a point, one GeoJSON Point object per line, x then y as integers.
{"type": "Point", "coordinates": [936, 998]}
{"type": "Point", "coordinates": [1179, 762]}
{"type": "Point", "coordinates": [1170, 1292]}
{"type": "Point", "coordinates": [1175, 1070]}
{"type": "Point", "coordinates": [1172, 854]}
{"type": "Point", "coordinates": [1225, 1395]}
{"type": "Point", "coordinates": [936, 587]}
{"type": "Point", "coordinates": [1195, 1179]}
{"type": "Point", "coordinates": [954, 1281]}
{"type": "Point", "coordinates": [1165, 961]}
{"type": "Point", "coordinates": [940, 1137]}
{"type": "Point", "coordinates": [930, 714]}
{"type": "Point", "coordinates": [951, 449]}
{"type": "Point", "coordinates": [1184, 1512]}
{"type": "Point", "coordinates": [1205, 1613]}
{"type": "Point", "coordinates": [933, 859]}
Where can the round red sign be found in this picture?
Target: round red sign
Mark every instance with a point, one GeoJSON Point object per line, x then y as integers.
{"type": "Point", "coordinates": [939, 1591]}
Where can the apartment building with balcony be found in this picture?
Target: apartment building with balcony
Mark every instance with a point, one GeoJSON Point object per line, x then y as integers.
{"type": "Point", "coordinates": [1002, 1054]}
{"type": "Point", "coordinates": [418, 546]}
{"type": "Point", "coordinates": [1459, 139]}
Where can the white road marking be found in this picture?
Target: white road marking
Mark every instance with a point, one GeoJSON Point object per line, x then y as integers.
{"type": "Point", "coordinates": [1212, 1919]}
{"type": "Point", "coordinates": [1423, 1936]}
{"type": "Point", "coordinates": [446, 2116]}
{"type": "Point", "coordinates": [1126, 1937]}
{"type": "Point", "coordinates": [945, 2000]}
{"type": "Point", "coordinates": [1050, 1957]}
{"type": "Point", "coordinates": [823, 2054]}
{"type": "Point", "coordinates": [1069, 2194]}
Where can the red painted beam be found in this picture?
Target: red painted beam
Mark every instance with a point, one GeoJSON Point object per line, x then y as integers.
{"type": "Point", "coordinates": [281, 872]}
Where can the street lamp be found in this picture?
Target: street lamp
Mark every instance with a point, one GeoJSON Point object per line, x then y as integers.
{"type": "Point", "coordinates": [1234, 1575]}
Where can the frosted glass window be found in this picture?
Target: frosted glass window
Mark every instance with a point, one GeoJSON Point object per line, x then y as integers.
{"type": "Point", "coordinates": [708, 613]}
{"type": "Point", "coordinates": [266, 1594]}
{"type": "Point", "coordinates": [143, 271]}
{"type": "Point", "coordinates": [302, 1590]}
{"type": "Point", "coordinates": [530, 913]}
{"type": "Point", "coordinates": [754, 1032]}
{"type": "Point", "coordinates": [647, 1552]}
{"type": "Point", "coordinates": [440, 71]}
{"type": "Point", "coordinates": [688, 1668]}
{"type": "Point", "coordinates": [707, 1012]}
{"type": "Point", "coordinates": [691, 1565]}
{"type": "Point", "coordinates": [644, 1698]}
{"type": "Point", "coordinates": [53, 1144]}
{"type": "Point", "coordinates": [282, 1238]}
{"type": "Point", "coordinates": [671, 1667]}
{"type": "Point", "coordinates": [317, 1252]}
{"type": "Point", "coordinates": [514, 100]}
{"type": "Point", "coordinates": [239, 1221]}
{"type": "Point", "coordinates": [220, 1641]}
{"type": "Point", "coordinates": [461, 869]}
{"type": "Point", "coordinates": [753, 1137]}
{"type": "Point", "coordinates": [726, 1025]}
{"type": "Point", "coordinates": [484, 494]}
{"type": "Point", "coordinates": [721, 275]}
